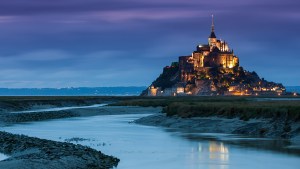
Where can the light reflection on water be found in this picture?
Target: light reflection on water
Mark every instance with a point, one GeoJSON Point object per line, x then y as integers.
{"type": "Point", "coordinates": [215, 152]}
{"type": "Point", "coordinates": [218, 151]}
{"type": "Point", "coordinates": [60, 108]}
{"type": "Point", "coordinates": [149, 147]}
{"type": "Point", "coordinates": [3, 156]}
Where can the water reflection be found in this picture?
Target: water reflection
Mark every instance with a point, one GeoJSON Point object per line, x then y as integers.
{"type": "Point", "coordinates": [217, 151]}
{"type": "Point", "coordinates": [215, 154]}
{"type": "Point", "coordinates": [276, 145]}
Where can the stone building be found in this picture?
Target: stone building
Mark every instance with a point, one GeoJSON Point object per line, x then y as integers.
{"type": "Point", "coordinates": [215, 54]}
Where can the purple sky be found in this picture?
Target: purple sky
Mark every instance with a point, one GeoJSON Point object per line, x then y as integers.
{"type": "Point", "coordinates": [71, 43]}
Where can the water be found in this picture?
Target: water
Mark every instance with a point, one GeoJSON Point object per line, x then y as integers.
{"type": "Point", "coordinates": [60, 108]}
{"type": "Point", "coordinates": [78, 91]}
{"type": "Point", "coordinates": [293, 89]}
{"type": "Point", "coordinates": [147, 147]}
{"type": "Point", "coordinates": [3, 156]}
{"type": "Point", "coordinates": [88, 91]}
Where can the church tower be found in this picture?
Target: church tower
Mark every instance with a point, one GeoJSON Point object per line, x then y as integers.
{"type": "Point", "coordinates": [212, 39]}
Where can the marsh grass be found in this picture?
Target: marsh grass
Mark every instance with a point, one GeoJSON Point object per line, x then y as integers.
{"type": "Point", "coordinates": [244, 108]}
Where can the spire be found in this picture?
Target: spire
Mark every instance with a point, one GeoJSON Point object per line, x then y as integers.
{"type": "Point", "coordinates": [212, 24]}
{"type": "Point", "coordinates": [212, 34]}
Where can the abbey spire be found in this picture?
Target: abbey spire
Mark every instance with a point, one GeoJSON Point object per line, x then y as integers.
{"type": "Point", "coordinates": [212, 23]}
{"type": "Point", "coordinates": [212, 39]}
{"type": "Point", "coordinates": [212, 34]}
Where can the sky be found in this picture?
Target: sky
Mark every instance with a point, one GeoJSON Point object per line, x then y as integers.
{"type": "Point", "coordinates": [95, 43]}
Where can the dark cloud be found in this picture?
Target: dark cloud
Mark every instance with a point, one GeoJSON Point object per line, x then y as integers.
{"type": "Point", "coordinates": [63, 43]}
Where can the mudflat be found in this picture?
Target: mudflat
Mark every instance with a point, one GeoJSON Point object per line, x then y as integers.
{"type": "Point", "coordinates": [30, 153]}
{"type": "Point", "coordinates": [232, 115]}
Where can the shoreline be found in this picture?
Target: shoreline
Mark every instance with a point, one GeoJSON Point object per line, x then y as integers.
{"type": "Point", "coordinates": [233, 115]}
{"type": "Point", "coordinates": [38, 153]}
{"type": "Point", "coordinates": [264, 128]}
{"type": "Point", "coordinates": [13, 118]}
{"type": "Point", "coordinates": [232, 131]}
{"type": "Point", "coordinates": [30, 152]}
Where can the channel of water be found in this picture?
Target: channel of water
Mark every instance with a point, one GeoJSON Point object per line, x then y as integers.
{"type": "Point", "coordinates": [147, 147]}
{"type": "Point", "coordinates": [60, 108]}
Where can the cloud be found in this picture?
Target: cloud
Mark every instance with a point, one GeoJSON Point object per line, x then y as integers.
{"type": "Point", "coordinates": [44, 55]}
{"type": "Point", "coordinates": [122, 42]}
{"type": "Point", "coordinates": [145, 14]}
{"type": "Point", "coordinates": [6, 19]}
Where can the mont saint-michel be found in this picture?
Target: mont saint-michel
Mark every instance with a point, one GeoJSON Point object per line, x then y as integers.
{"type": "Point", "coordinates": [212, 69]}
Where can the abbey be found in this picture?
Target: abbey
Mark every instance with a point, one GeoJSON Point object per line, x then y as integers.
{"type": "Point", "coordinates": [212, 69]}
{"type": "Point", "coordinates": [214, 54]}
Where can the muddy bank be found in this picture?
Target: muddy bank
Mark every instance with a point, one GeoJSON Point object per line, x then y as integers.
{"type": "Point", "coordinates": [11, 104]}
{"type": "Point", "coordinates": [12, 118]}
{"type": "Point", "coordinates": [272, 134]}
{"type": "Point", "coordinates": [30, 153]}
{"type": "Point", "coordinates": [270, 128]}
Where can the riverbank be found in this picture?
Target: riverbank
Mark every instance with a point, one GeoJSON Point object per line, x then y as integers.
{"type": "Point", "coordinates": [35, 153]}
{"type": "Point", "coordinates": [277, 117]}
{"type": "Point", "coordinates": [13, 118]}
{"type": "Point", "coordinates": [29, 153]}
{"type": "Point", "coordinates": [268, 128]}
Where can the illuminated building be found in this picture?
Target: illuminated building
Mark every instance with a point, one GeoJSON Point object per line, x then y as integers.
{"type": "Point", "coordinates": [212, 69]}
{"type": "Point", "coordinates": [215, 54]}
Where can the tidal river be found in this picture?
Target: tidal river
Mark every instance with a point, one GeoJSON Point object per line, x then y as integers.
{"type": "Point", "coordinates": [147, 147]}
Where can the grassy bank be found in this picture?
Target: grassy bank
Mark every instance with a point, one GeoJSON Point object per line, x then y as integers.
{"type": "Point", "coordinates": [244, 108]}
{"type": "Point", "coordinates": [289, 110]}
{"type": "Point", "coordinates": [230, 107]}
{"type": "Point", "coordinates": [166, 101]}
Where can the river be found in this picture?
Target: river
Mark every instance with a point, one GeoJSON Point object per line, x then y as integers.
{"type": "Point", "coordinates": [147, 147]}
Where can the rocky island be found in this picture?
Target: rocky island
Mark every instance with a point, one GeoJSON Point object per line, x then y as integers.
{"type": "Point", "coordinates": [212, 69]}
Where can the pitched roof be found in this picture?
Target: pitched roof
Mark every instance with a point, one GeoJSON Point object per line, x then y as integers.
{"type": "Point", "coordinates": [212, 35]}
